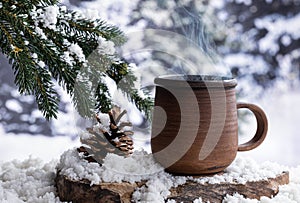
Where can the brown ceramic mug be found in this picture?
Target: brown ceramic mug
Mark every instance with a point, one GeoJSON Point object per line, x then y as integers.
{"type": "Point", "coordinates": [195, 124]}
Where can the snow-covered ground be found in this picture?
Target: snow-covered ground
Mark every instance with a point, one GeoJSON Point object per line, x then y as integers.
{"type": "Point", "coordinates": [31, 180]}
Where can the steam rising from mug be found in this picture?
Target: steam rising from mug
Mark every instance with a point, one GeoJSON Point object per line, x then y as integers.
{"type": "Point", "coordinates": [193, 59]}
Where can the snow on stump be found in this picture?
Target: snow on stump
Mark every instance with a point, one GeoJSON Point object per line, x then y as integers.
{"type": "Point", "coordinates": [139, 178]}
{"type": "Point", "coordinates": [216, 192]}
{"type": "Point", "coordinates": [82, 191]}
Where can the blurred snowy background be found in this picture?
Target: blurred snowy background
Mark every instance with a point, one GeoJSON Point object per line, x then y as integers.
{"type": "Point", "coordinates": [259, 40]}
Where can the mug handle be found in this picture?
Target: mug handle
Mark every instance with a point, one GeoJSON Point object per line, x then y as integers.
{"type": "Point", "coordinates": [262, 127]}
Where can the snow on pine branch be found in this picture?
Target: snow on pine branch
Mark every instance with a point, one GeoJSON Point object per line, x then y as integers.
{"type": "Point", "coordinates": [55, 44]}
{"type": "Point", "coordinates": [47, 16]}
{"type": "Point", "coordinates": [105, 46]}
{"type": "Point", "coordinates": [50, 16]}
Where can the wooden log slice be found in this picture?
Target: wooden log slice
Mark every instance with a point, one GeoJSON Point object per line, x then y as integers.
{"type": "Point", "coordinates": [216, 192]}
{"type": "Point", "coordinates": [81, 191]}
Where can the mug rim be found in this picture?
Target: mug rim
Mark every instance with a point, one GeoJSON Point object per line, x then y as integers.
{"type": "Point", "coordinates": [196, 81]}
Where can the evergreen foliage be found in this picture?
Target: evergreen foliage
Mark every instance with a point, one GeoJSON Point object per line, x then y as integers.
{"type": "Point", "coordinates": [46, 43]}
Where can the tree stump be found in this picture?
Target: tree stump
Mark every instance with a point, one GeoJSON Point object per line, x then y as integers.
{"type": "Point", "coordinates": [82, 191]}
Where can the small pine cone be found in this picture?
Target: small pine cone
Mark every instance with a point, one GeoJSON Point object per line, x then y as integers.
{"type": "Point", "coordinates": [97, 146]}
{"type": "Point", "coordinates": [100, 142]}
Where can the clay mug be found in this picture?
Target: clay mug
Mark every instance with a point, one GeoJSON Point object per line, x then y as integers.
{"type": "Point", "coordinates": [195, 124]}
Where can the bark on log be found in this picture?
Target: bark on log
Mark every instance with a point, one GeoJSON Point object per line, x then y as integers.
{"type": "Point", "coordinates": [81, 191]}
{"type": "Point", "coordinates": [216, 192]}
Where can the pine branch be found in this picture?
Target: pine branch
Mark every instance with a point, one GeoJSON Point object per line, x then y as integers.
{"type": "Point", "coordinates": [83, 99]}
{"type": "Point", "coordinates": [23, 77]}
{"type": "Point", "coordinates": [37, 81]}
{"type": "Point", "coordinates": [125, 80]}
{"type": "Point", "coordinates": [103, 101]}
{"type": "Point", "coordinates": [29, 77]}
{"type": "Point", "coordinates": [85, 32]}
{"type": "Point", "coordinates": [46, 96]}
{"type": "Point", "coordinates": [62, 46]}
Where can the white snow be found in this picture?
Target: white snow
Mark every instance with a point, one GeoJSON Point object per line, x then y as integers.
{"type": "Point", "coordinates": [104, 117]}
{"type": "Point", "coordinates": [171, 201]}
{"type": "Point", "coordinates": [67, 58]}
{"type": "Point", "coordinates": [73, 50]}
{"type": "Point", "coordinates": [157, 188]}
{"type": "Point", "coordinates": [48, 16]}
{"type": "Point", "coordinates": [41, 64]}
{"type": "Point", "coordinates": [246, 2]}
{"type": "Point", "coordinates": [14, 105]}
{"type": "Point", "coordinates": [160, 17]}
{"type": "Point", "coordinates": [215, 3]}
{"type": "Point", "coordinates": [34, 56]}
{"type": "Point", "coordinates": [286, 40]}
{"type": "Point", "coordinates": [289, 193]}
{"type": "Point", "coordinates": [249, 63]}
{"type": "Point", "coordinates": [199, 200]}
{"type": "Point", "coordinates": [245, 169]}
{"type": "Point", "coordinates": [237, 198]}
{"type": "Point", "coordinates": [160, 185]}
{"type": "Point", "coordinates": [141, 166]}
{"type": "Point", "coordinates": [277, 27]}
{"type": "Point", "coordinates": [105, 46]}
{"type": "Point", "coordinates": [115, 168]}
{"type": "Point", "coordinates": [27, 181]}
{"type": "Point", "coordinates": [77, 50]}
{"type": "Point", "coordinates": [40, 32]}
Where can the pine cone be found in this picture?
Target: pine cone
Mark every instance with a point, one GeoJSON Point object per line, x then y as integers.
{"type": "Point", "coordinates": [101, 141]}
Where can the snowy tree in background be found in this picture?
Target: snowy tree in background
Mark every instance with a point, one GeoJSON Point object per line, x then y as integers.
{"type": "Point", "coordinates": [46, 43]}
{"type": "Point", "coordinates": [258, 40]}
{"type": "Point", "coordinates": [265, 46]}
